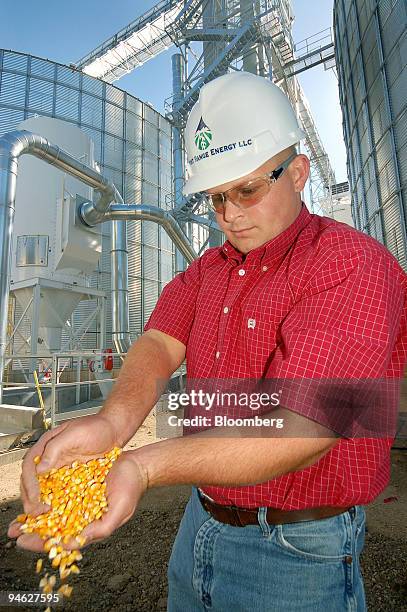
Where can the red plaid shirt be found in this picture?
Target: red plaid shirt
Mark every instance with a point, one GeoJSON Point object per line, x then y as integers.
{"type": "Point", "coordinates": [328, 301]}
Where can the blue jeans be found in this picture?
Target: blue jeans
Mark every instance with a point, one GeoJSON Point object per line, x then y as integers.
{"type": "Point", "coordinates": [310, 566]}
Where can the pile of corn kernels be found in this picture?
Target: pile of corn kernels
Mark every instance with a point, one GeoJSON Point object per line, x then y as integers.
{"type": "Point", "coordinates": [76, 495]}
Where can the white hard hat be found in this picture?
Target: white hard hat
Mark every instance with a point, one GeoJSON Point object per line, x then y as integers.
{"type": "Point", "coordinates": [239, 122]}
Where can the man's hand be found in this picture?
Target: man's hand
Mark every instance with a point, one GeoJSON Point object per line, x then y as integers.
{"type": "Point", "coordinates": [126, 483]}
{"type": "Point", "coordinates": [79, 440]}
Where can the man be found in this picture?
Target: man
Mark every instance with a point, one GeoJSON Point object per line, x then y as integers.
{"type": "Point", "coordinates": [273, 523]}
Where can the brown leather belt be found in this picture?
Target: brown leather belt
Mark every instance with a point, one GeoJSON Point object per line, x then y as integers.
{"type": "Point", "coordinates": [240, 517]}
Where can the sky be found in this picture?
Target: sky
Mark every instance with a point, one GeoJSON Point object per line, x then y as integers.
{"type": "Point", "coordinates": [66, 31]}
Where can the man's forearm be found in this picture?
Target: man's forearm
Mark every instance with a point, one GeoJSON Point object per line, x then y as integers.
{"type": "Point", "coordinates": [138, 387]}
{"type": "Point", "coordinates": [200, 460]}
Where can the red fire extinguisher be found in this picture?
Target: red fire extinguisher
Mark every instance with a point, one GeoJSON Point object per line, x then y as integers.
{"type": "Point", "coordinates": [108, 359]}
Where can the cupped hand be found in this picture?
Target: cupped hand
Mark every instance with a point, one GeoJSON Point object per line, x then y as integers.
{"type": "Point", "coordinates": [79, 440]}
{"type": "Point", "coordinates": [126, 483]}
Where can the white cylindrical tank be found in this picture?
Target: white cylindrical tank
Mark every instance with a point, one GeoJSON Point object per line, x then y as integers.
{"type": "Point", "coordinates": [49, 243]}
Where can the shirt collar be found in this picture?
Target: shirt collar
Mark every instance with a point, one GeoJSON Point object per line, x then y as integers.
{"type": "Point", "coordinates": [273, 249]}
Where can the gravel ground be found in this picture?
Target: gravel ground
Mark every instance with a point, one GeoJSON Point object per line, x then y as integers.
{"type": "Point", "coordinates": [128, 571]}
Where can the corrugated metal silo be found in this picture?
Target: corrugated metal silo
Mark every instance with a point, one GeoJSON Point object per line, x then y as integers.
{"type": "Point", "coordinates": [371, 55]}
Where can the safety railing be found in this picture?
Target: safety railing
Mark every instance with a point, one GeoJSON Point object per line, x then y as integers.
{"type": "Point", "coordinates": [80, 371]}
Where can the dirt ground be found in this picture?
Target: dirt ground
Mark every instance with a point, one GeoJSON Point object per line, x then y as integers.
{"type": "Point", "coordinates": [127, 572]}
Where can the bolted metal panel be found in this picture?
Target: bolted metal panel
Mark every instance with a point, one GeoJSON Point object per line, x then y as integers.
{"type": "Point", "coordinates": [114, 119]}
{"type": "Point", "coordinates": [150, 168]}
{"type": "Point", "coordinates": [113, 152]}
{"type": "Point", "coordinates": [165, 176]}
{"type": "Point", "coordinates": [9, 118]}
{"type": "Point", "coordinates": [43, 68]}
{"type": "Point", "coordinates": [92, 86]}
{"type": "Point", "coordinates": [150, 115]}
{"type": "Point", "coordinates": [136, 306]}
{"type": "Point", "coordinates": [134, 105]}
{"type": "Point", "coordinates": [115, 95]}
{"type": "Point", "coordinates": [134, 231]}
{"type": "Point", "coordinates": [134, 163]}
{"type": "Point", "coordinates": [149, 233]}
{"type": "Point", "coordinates": [13, 89]}
{"type": "Point", "coordinates": [151, 138]}
{"type": "Point", "coordinates": [149, 194]}
{"type": "Point", "coordinates": [398, 93]}
{"type": "Point", "coordinates": [68, 76]}
{"type": "Point", "coordinates": [165, 146]}
{"type": "Point", "coordinates": [40, 96]}
{"type": "Point", "coordinates": [150, 262]}
{"type": "Point", "coordinates": [67, 103]}
{"type": "Point", "coordinates": [91, 111]}
{"type": "Point", "coordinates": [134, 128]}
{"type": "Point", "coordinates": [150, 296]}
{"type": "Point", "coordinates": [15, 61]}
{"type": "Point", "coordinates": [135, 254]}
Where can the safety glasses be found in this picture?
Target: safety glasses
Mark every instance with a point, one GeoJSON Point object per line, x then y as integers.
{"type": "Point", "coordinates": [248, 194]}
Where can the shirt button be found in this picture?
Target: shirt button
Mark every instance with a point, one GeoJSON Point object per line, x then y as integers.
{"type": "Point", "coordinates": [242, 272]}
{"type": "Point", "coordinates": [265, 268]}
{"type": "Point", "coordinates": [226, 310]}
{"type": "Point", "coordinates": [217, 355]}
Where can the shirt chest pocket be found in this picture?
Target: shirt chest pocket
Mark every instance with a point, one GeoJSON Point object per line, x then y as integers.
{"type": "Point", "coordinates": [261, 320]}
{"type": "Point", "coordinates": [260, 338]}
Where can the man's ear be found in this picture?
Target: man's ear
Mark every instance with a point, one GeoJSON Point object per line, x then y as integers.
{"type": "Point", "coordinates": [299, 170]}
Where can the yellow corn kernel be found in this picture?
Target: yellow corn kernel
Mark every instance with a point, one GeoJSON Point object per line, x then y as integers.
{"type": "Point", "coordinates": [49, 544]}
{"type": "Point", "coordinates": [52, 580]}
{"type": "Point", "coordinates": [37, 459]}
{"type": "Point", "coordinates": [65, 590]}
{"type": "Point", "coordinates": [76, 495]}
{"type": "Point", "coordinates": [53, 552]}
{"type": "Point", "coordinates": [43, 582]}
{"type": "Point", "coordinates": [21, 518]}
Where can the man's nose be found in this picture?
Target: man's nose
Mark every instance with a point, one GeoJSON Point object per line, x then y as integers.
{"type": "Point", "coordinates": [231, 211]}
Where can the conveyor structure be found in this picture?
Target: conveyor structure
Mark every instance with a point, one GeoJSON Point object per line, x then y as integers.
{"type": "Point", "coordinates": [235, 34]}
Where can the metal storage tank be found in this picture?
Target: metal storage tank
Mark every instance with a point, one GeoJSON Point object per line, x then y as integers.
{"type": "Point", "coordinates": [371, 56]}
{"type": "Point", "coordinates": [132, 147]}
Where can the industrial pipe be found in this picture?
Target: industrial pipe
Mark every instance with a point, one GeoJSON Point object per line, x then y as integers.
{"type": "Point", "coordinates": [20, 142]}
{"type": "Point", "coordinates": [158, 215]}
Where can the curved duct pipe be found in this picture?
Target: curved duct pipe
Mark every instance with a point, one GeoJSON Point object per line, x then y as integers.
{"type": "Point", "coordinates": [20, 142]}
{"type": "Point", "coordinates": [143, 212]}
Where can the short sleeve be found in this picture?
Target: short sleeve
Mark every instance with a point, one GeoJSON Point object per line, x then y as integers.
{"type": "Point", "coordinates": [337, 342]}
{"type": "Point", "coordinates": [175, 310]}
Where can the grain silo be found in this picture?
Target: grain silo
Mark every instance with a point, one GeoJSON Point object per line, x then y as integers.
{"type": "Point", "coordinates": [371, 56]}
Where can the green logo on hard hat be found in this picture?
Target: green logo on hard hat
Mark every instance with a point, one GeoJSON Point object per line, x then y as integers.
{"type": "Point", "coordinates": [203, 136]}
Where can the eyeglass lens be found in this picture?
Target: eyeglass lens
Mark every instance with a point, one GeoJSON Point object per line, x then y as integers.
{"type": "Point", "coordinates": [243, 196]}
